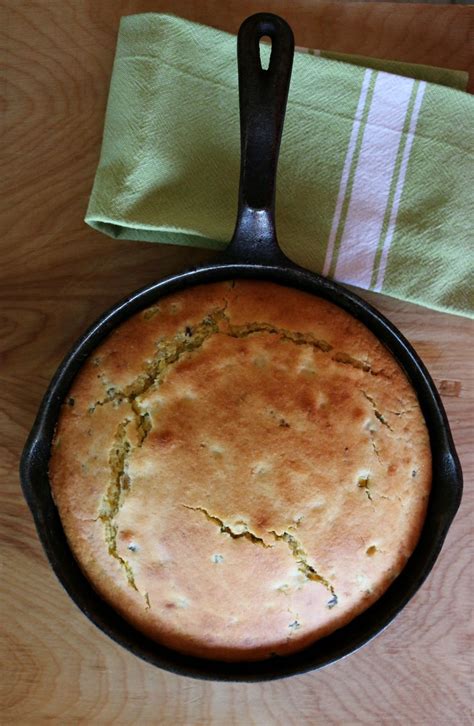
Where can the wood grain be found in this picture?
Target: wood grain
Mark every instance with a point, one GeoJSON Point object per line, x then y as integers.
{"type": "Point", "coordinates": [57, 276]}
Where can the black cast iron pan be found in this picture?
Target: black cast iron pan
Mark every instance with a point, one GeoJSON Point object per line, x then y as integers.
{"type": "Point", "coordinates": [253, 253]}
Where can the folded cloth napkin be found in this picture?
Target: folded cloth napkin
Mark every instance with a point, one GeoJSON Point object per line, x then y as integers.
{"type": "Point", "coordinates": [375, 181]}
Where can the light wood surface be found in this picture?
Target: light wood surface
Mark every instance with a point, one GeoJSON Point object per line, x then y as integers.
{"type": "Point", "coordinates": [57, 276]}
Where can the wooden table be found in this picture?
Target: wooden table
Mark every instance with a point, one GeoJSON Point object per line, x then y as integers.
{"type": "Point", "coordinates": [58, 275]}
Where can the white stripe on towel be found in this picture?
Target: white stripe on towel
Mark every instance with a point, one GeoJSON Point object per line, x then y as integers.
{"type": "Point", "coordinates": [346, 170]}
{"type": "Point", "coordinates": [372, 179]}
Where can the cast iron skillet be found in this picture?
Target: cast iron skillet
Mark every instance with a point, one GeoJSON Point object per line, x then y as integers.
{"type": "Point", "coordinates": [253, 253]}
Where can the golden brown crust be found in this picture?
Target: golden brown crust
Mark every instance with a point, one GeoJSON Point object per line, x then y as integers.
{"type": "Point", "coordinates": [241, 469]}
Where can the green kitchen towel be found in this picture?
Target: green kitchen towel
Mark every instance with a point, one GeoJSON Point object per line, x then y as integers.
{"type": "Point", "coordinates": [375, 180]}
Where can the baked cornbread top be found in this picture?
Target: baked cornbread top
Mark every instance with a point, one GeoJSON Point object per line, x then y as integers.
{"type": "Point", "coordinates": [241, 469]}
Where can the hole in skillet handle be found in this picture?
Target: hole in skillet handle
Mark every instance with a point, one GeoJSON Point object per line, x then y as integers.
{"type": "Point", "coordinates": [263, 94]}
{"type": "Point", "coordinates": [265, 52]}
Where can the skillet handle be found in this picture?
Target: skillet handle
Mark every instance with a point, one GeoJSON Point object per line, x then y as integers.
{"type": "Point", "coordinates": [263, 95]}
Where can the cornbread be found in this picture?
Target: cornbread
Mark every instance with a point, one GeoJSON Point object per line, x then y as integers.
{"type": "Point", "coordinates": [241, 469]}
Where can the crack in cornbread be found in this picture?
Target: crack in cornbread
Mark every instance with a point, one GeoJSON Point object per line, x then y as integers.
{"type": "Point", "coordinates": [242, 331]}
{"type": "Point", "coordinates": [226, 529]}
{"type": "Point", "coordinates": [363, 483]}
{"type": "Point", "coordinates": [295, 546]}
{"type": "Point", "coordinates": [260, 410]}
{"type": "Point", "coordinates": [168, 351]}
{"type": "Point", "coordinates": [191, 339]}
{"type": "Point", "coordinates": [118, 485]}
{"type": "Point", "coordinates": [378, 415]}
{"type": "Point", "coordinates": [142, 420]}
{"type": "Point", "coordinates": [304, 567]}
